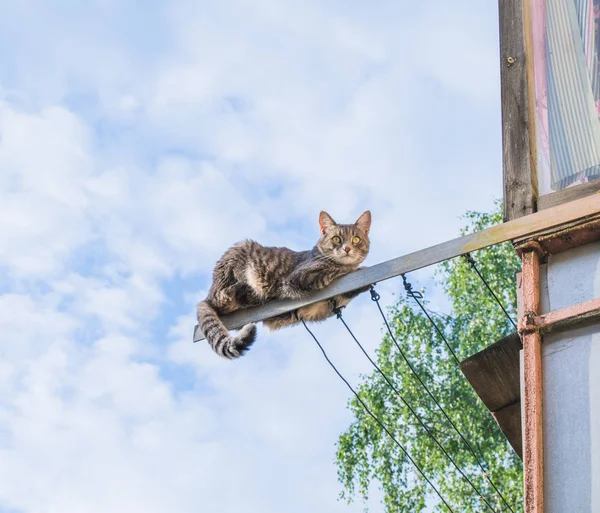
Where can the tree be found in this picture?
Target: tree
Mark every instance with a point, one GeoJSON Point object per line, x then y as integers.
{"type": "Point", "coordinates": [365, 453]}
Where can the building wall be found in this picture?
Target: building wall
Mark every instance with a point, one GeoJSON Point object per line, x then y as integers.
{"type": "Point", "coordinates": [571, 375]}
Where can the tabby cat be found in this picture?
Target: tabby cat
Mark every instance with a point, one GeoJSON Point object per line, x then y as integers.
{"type": "Point", "coordinates": [249, 274]}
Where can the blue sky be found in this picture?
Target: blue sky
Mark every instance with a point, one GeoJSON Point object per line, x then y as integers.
{"type": "Point", "coordinates": [137, 142]}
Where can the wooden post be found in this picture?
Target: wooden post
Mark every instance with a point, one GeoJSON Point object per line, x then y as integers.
{"type": "Point", "coordinates": [533, 448]}
{"type": "Point", "coordinates": [518, 102]}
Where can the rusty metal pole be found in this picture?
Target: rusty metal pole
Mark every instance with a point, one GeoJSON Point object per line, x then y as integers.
{"type": "Point", "coordinates": [533, 448]}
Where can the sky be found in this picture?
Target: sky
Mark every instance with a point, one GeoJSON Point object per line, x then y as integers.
{"type": "Point", "coordinates": [139, 140]}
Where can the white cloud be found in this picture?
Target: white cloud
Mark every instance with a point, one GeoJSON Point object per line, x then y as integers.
{"type": "Point", "coordinates": [45, 160]}
{"type": "Point", "coordinates": [135, 146]}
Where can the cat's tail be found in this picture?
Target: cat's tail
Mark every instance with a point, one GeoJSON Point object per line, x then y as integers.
{"type": "Point", "coordinates": [218, 336]}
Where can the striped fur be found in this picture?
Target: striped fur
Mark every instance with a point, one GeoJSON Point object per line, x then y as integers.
{"type": "Point", "coordinates": [218, 336]}
{"type": "Point", "coordinates": [249, 274]}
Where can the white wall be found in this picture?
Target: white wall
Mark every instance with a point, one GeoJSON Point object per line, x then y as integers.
{"type": "Point", "coordinates": [571, 368]}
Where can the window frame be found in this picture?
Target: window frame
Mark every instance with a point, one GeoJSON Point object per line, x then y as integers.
{"type": "Point", "coordinates": [521, 194]}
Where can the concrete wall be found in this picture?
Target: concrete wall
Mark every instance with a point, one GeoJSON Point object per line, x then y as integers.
{"type": "Point", "coordinates": [571, 368]}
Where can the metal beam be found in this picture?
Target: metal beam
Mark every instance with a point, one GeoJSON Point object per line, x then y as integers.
{"type": "Point", "coordinates": [517, 228]}
{"type": "Point", "coordinates": [562, 319]}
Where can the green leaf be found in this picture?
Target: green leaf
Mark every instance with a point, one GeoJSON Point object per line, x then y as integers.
{"type": "Point", "coordinates": [365, 453]}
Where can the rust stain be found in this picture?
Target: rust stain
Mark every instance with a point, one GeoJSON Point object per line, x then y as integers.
{"type": "Point", "coordinates": [561, 318]}
{"type": "Point", "coordinates": [533, 449]}
{"type": "Point", "coordinates": [571, 236]}
{"type": "Point", "coordinates": [529, 245]}
{"type": "Point", "coordinates": [575, 312]}
{"type": "Point", "coordinates": [531, 282]}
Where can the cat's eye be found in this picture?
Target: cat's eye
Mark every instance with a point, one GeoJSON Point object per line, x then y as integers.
{"type": "Point", "coordinates": [355, 240]}
{"type": "Point", "coordinates": [336, 240]}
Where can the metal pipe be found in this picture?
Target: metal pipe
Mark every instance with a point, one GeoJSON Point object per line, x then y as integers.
{"type": "Point", "coordinates": [561, 319]}
{"type": "Point", "coordinates": [533, 448]}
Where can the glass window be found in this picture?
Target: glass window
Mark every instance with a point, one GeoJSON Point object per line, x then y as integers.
{"type": "Point", "coordinates": [566, 48]}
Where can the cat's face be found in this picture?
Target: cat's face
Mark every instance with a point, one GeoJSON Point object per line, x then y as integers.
{"type": "Point", "coordinates": [345, 244]}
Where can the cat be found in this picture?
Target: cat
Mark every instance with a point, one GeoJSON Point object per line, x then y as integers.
{"type": "Point", "coordinates": [249, 274]}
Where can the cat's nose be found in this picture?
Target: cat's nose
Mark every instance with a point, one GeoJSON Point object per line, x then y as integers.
{"type": "Point", "coordinates": [347, 249]}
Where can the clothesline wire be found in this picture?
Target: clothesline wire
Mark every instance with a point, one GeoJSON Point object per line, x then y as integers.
{"type": "Point", "coordinates": [417, 296]}
{"type": "Point", "coordinates": [376, 419]}
{"type": "Point", "coordinates": [414, 413]}
{"type": "Point", "coordinates": [375, 297]}
{"type": "Point", "coordinates": [473, 265]}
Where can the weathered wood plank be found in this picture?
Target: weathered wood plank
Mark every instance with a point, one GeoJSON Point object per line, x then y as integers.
{"type": "Point", "coordinates": [517, 228]}
{"type": "Point", "coordinates": [494, 373]}
{"type": "Point", "coordinates": [572, 193]}
{"type": "Point", "coordinates": [509, 420]}
{"type": "Point", "coordinates": [518, 135]}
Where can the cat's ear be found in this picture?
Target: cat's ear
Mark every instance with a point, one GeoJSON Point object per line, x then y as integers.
{"type": "Point", "coordinates": [325, 221]}
{"type": "Point", "coordinates": [364, 222]}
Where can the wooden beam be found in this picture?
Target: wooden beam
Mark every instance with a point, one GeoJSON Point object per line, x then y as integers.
{"type": "Point", "coordinates": [517, 228]}
{"type": "Point", "coordinates": [518, 121]}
